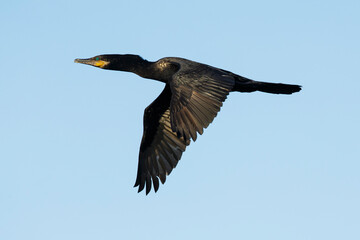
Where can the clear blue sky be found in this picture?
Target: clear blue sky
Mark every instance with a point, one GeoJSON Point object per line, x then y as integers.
{"type": "Point", "coordinates": [269, 167]}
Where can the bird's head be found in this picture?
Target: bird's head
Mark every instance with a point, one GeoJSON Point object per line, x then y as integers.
{"type": "Point", "coordinates": [125, 62]}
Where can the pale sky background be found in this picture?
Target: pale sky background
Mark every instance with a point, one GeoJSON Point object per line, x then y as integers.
{"type": "Point", "coordinates": [269, 167]}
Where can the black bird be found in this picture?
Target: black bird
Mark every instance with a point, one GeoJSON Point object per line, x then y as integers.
{"type": "Point", "coordinates": [191, 99]}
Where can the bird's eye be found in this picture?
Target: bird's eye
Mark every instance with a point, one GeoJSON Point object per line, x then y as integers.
{"type": "Point", "coordinates": [97, 58]}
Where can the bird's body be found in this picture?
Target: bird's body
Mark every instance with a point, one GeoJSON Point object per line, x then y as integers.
{"type": "Point", "coordinates": [192, 97]}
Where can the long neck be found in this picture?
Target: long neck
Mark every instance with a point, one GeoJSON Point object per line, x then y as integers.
{"type": "Point", "coordinates": [139, 66]}
{"type": "Point", "coordinates": [146, 69]}
{"type": "Point", "coordinates": [161, 70]}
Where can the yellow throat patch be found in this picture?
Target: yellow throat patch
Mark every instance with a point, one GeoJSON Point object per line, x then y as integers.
{"type": "Point", "coordinates": [100, 63]}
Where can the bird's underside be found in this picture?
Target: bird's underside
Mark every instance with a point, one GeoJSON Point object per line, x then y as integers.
{"type": "Point", "coordinates": [191, 99]}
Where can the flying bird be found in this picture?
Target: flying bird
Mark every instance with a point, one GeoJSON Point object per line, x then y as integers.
{"type": "Point", "coordinates": [192, 97]}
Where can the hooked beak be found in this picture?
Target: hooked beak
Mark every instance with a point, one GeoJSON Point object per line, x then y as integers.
{"type": "Point", "coordinates": [88, 61]}
{"type": "Point", "coordinates": [92, 62]}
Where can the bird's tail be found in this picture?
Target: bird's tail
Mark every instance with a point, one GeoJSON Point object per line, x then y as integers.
{"type": "Point", "coordinates": [246, 85]}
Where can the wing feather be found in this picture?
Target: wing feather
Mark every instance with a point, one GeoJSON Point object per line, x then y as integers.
{"type": "Point", "coordinates": [187, 105]}
{"type": "Point", "coordinates": [160, 148]}
{"type": "Point", "coordinates": [197, 98]}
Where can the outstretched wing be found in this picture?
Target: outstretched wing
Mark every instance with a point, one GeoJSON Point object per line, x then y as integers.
{"type": "Point", "coordinates": [197, 98]}
{"type": "Point", "coordinates": [161, 148]}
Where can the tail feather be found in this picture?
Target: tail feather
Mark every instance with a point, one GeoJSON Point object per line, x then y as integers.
{"type": "Point", "coordinates": [247, 85]}
{"type": "Point", "coordinates": [277, 88]}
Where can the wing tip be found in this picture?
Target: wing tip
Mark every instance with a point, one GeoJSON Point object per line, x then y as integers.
{"type": "Point", "coordinates": [148, 183]}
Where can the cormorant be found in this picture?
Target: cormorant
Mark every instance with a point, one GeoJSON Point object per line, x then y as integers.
{"type": "Point", "coordinates": [192, 97]}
